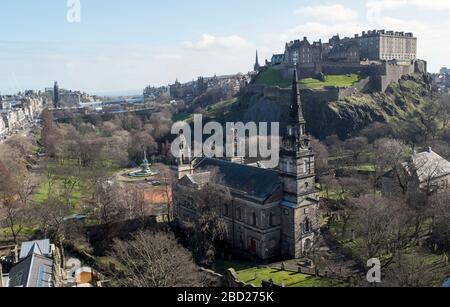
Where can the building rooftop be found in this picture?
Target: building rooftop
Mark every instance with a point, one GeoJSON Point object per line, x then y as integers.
{"type": "Point", "coordinates": [428, 165]}
{"type": "Point", "coordinates": [41, 247]}
{"type": "Point", "coordinates": [253, 181]}
{"type": "Point", "coordinates": [35, 271]}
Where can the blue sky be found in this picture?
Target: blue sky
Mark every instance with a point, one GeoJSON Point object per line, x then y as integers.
{"type": "Point", "coordinates": [125, 45]}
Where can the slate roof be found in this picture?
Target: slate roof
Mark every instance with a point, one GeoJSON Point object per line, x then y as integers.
{"type": "Point", "coordinates": [41, 247]}
{"type": "Point", "coordinates": [35, 271]}
{"type": "Point", "coordinates": [428, 165]}
{"type": "Point", "coordinates": [200, 178]}
{"type": "Point", "coordinates": [339, 48]}
{"type": "Point", "coordinates": [254, 181]}
{"type": "Point", "coordinates": [278, 58]}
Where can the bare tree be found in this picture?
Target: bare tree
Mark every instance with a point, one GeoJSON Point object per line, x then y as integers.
{"type": "Point", "coordinates": [155, 260]}
{"type": "Point", "coordinates": [52, 216]}
{"type": "Point", "coordinates": [322, 155]}
{"type": "Point", "coordinates": [383, 228]}
{"type": "Point", "coordinates": [108, 205]}
{"type": "Point", "coordinates": [136, 205]}
{"type": "Point", "coordinates": [208, 228]}
{"type": "Point", "coordinates": [440, 212]}
{"type": "Point", "coordinates": [412, 272]}
{"type": "Point", "coordinates": [390, 154]}
{"type": "Point", "coordinates": [15, 192]}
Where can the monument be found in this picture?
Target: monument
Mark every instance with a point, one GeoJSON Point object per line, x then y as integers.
{"type": "Point", "coordinates": [145, 170]}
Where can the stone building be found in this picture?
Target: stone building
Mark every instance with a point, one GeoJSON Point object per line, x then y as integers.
{"type": "Point", "coordinates": [426, 171]}
{"type": "Point", "coordinates": [32, 107]}
{"type": "Point", "coordinates": [3, 127]}
{"type": "Point", "coordinates": [272, 212]}
{"type": "Point", "coordinates": [303, 52]}
{"type": "Point", "coordinates": [344, 53]}
{"type": "Point", "coordinates": [376, 45]}
{"type": "Point", "coordinates": [387, 45]}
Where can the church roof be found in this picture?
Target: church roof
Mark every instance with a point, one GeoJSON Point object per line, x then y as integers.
{"type": "Point", "coordinates": [254, 181]}
{"type": "Point", "coordinates": [35, 271]}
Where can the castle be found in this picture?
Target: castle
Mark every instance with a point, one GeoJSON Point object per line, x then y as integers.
{"type": "Point", "coordinates": [272, 212]}
{"type": "Point", "coordinates": [383, 56]}
{"type": "Point", "coordinates": [373, 45]}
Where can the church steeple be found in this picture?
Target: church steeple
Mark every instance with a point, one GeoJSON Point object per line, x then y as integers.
{"type": "Point", "coordinates": [297, 172]}
{"type": "Point", "coordinates": [296, 124]}
{"type": "Point", "coordinates": [257, 66]}
{"type": "Point", "coordinates": [296, 111]}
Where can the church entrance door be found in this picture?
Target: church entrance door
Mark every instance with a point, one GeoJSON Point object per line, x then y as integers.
{"type": "Point", "coordinates": [253, 245]}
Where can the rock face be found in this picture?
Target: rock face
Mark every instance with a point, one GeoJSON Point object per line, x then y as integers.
{"type": "Point", "coordinates": [344, 117]}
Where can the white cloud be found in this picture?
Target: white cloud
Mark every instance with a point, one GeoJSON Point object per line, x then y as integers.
{"type": "Point", "coordinates": [208, 42]}
{"type": "Point", "coordinates": [404, 25]}
{"type": "Point", "coordinates": [316, 30]}
{"type": "Point", "coordinates": [328, 13]}
{"type": "Point", "coordinates": [376, 8]}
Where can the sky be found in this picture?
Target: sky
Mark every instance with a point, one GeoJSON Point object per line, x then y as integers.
{"type": "Point", "coordinates": [120, 45]}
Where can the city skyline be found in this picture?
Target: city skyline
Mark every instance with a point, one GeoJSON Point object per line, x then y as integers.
{"type": "Point", "coordinates": [121, 47]}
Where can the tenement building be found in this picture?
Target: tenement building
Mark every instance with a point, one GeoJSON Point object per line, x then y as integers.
{"type": "Point", "coordinates": [272, 212]}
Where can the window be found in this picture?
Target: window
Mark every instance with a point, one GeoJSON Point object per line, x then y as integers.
{"type": "Point", "coordinates": [307, 167]}
{"type": "Point", "coordinates": [227, 210]}
{"type": "Point", "coordinates": [254, 219]}
{"type": "Point", "coordinates": [306, 226]}
{"type": "Point", "coordinates": [271, 219]}
{"type": "Point", "coordinates": [239, 214]}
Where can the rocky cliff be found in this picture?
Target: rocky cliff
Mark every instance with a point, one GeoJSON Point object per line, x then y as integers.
{"type": "Point", "coordinates": [344, 117]}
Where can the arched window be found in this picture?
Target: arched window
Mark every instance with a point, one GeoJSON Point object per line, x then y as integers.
{"type": "Point", "coordinates": [254, 219]}
{"type": "Point", "coordinates": [239, 214]}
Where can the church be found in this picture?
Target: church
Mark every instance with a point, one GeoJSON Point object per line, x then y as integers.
{"type": "Point", "coordinates": [272, 213]}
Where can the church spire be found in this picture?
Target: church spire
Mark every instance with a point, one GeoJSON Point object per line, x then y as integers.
{"type": "Point", "coordinates": [257, 66]}
{"type": "Point", "coordinates": [296, 113]}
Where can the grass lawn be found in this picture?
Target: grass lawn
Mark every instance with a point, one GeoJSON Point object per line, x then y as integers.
{"type": "Point", "coordinates": [221, 266]}
{"type": "Point", "coordinates": [220, 108]}
{"type": "Point", "coordinates": [41, 193]}
{"type": "Point", "coordinates": [272, 78]}
{"type": "Point", "coordinates": [289, 279]}
{"type": "Point", "coordinates": [330, 80]}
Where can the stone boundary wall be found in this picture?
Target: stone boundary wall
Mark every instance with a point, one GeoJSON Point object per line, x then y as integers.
{"type": "Point", "coordinates": [327, 94]}
{"type": "Point", "coordinates": [362, 86]}
{"type": "Point", "coordinates": [382, 74]}
{"type": "Point", "coordinates": [392, 74]}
